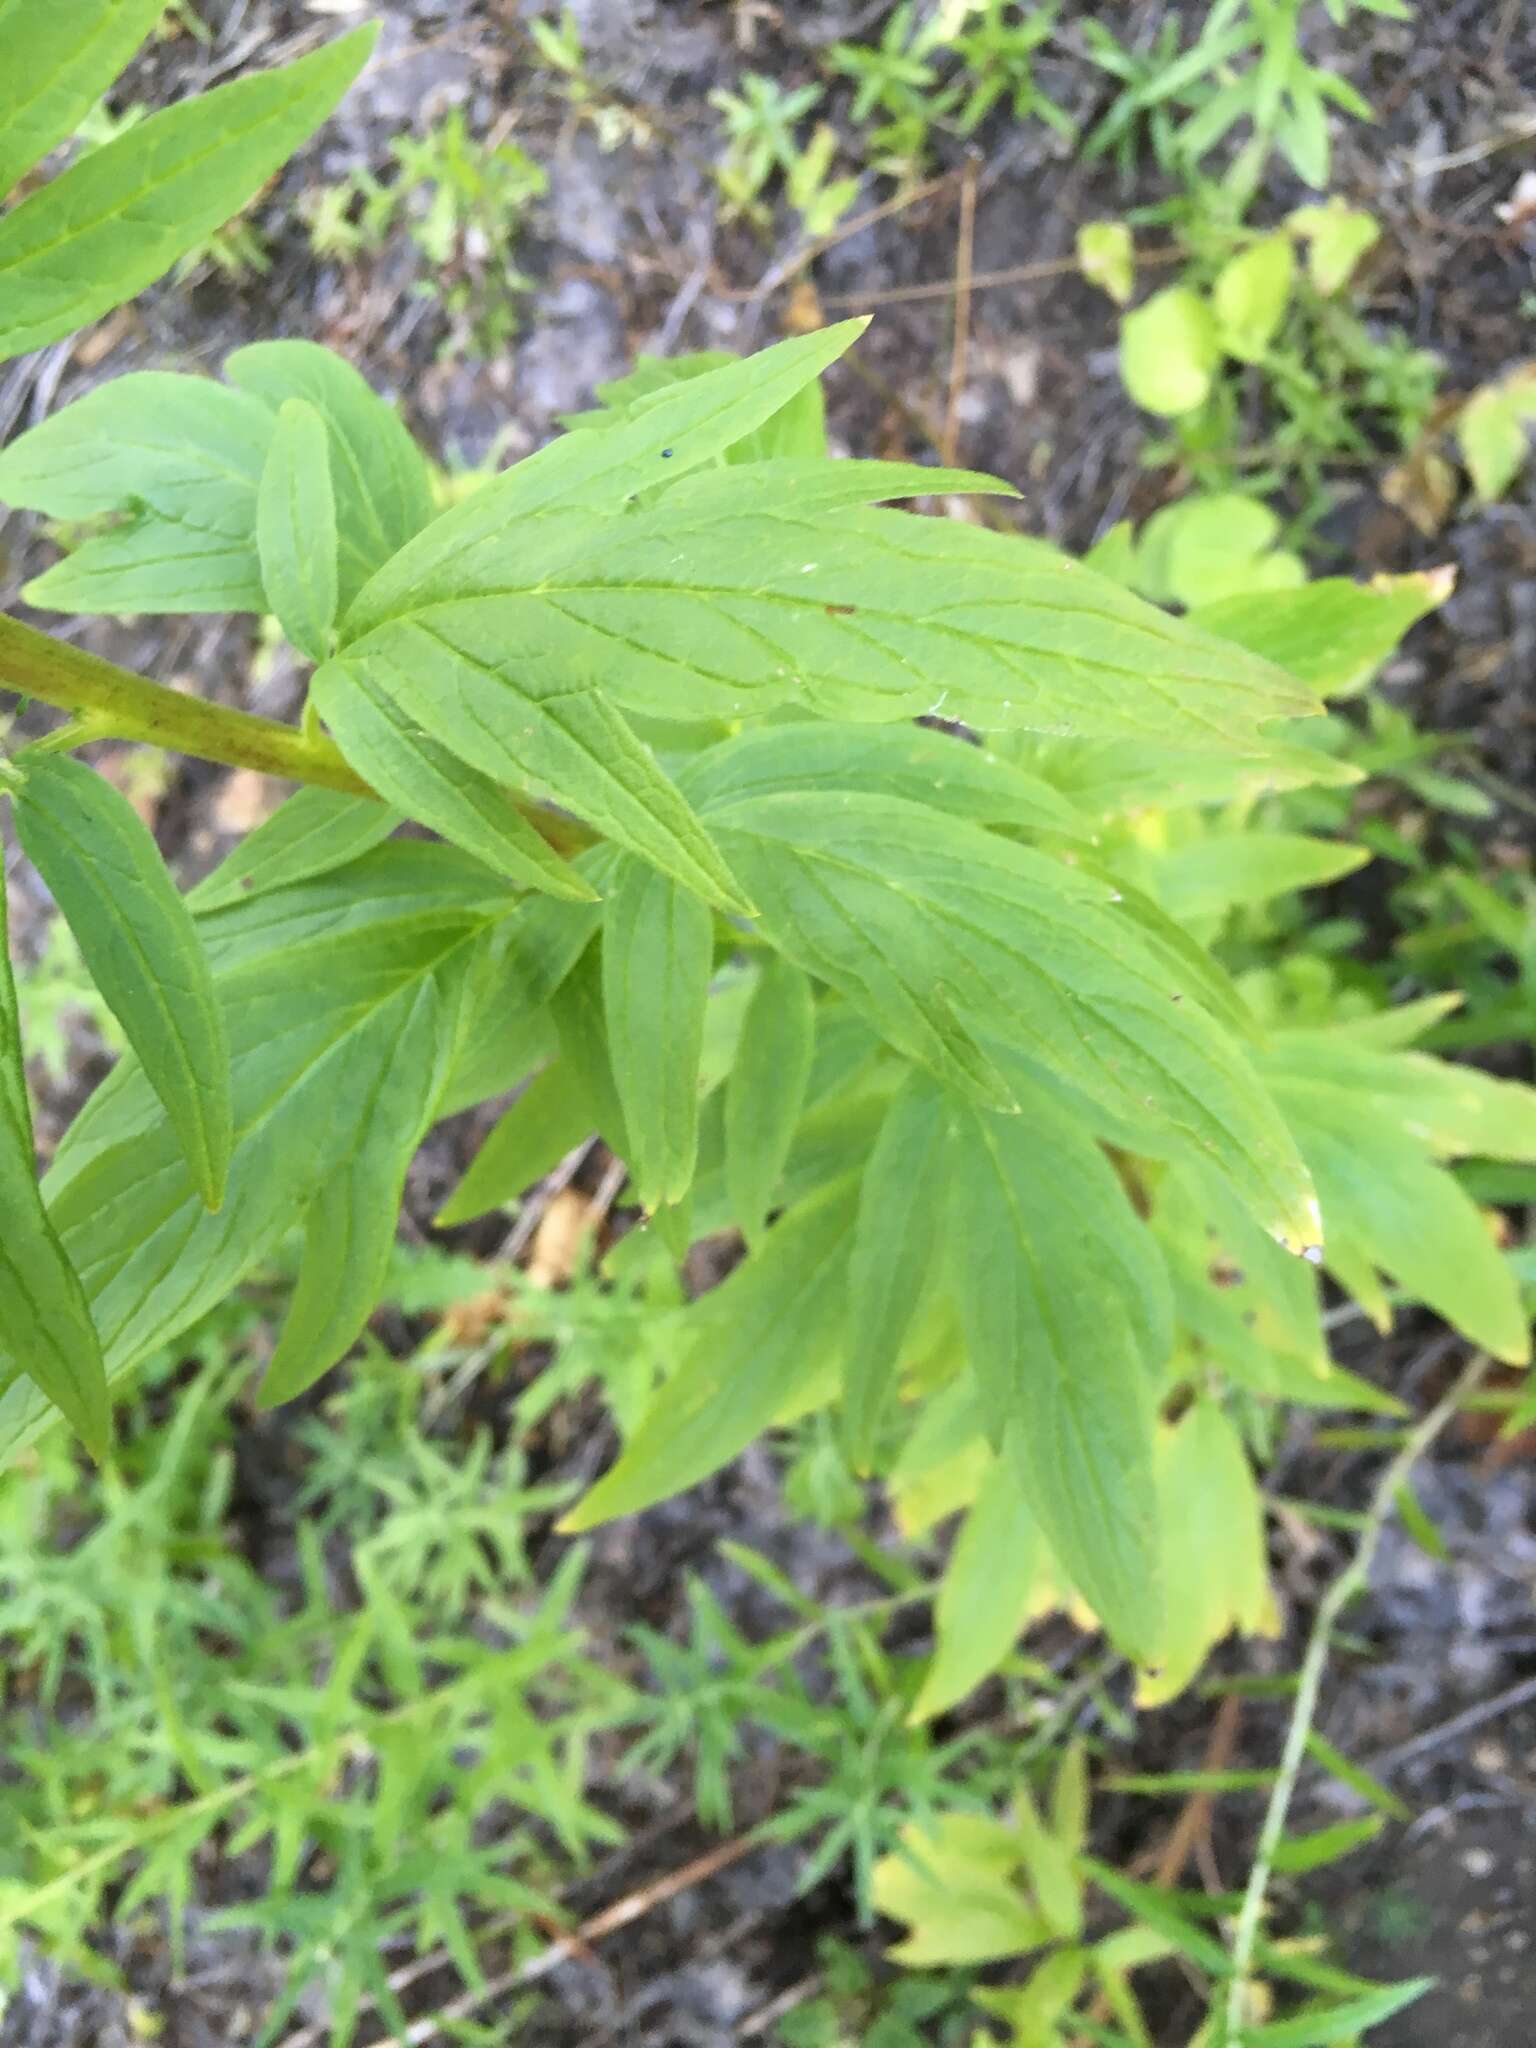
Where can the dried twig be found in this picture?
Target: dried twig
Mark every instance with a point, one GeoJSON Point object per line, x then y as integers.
{"type": "Point", "coordinates": [982, 280]}
{"type": "Point", "coordinates": [965, 247]}
{"type": "Point", "coordinates": [1352, 1580]}
{"type": "Point", "coordinates": [1194, 1821]}
{"type": "Point", "coordinates": [1458, 1725]}
{"type": "Point", "coordinates": [623, 1912]}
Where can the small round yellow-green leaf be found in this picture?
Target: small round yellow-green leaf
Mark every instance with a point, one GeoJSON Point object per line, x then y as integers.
{"type": "Point", "coordinates": [1337, 237]}
{"type": "Point", "coordinates": [1106, 255]}
{"type": "Point", "coordinates": [1169, 351]}
{"type": "Point", "coordinates": [1251, 296]}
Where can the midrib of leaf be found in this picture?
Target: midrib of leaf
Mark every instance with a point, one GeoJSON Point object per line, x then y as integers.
{"type": "Point", "coordinates": [361, 497]}
{"type": "Point", "coordinates": [86, 461]}
{"type": "Point", "coordinates": [1008, 653]}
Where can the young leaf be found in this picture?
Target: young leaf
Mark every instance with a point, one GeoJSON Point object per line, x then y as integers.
{"type": "Point", "coordinates": [765, 1090]}
{"type": "Point", "coordinates": [1385, 1203]}
{"type": "Point", "coordinates": [912, 761]}
{"type": "Point", "coordinates": [296, 529]}
{"type": "Point", "coordinates": [1066, 1315]}
{"type": "Point", "coordinates": [1337, 237]}
{"type": "Point", "coordinates": [1214, 1565]}
{"type": "Point", "coordinates": [658, 949]}
{"type": "Point", "coordinates": [998, 1578]}
{"type": "Point", "coordinates": [1169, 351]}
{"type": "Point", "coordinates": [435, 786]}
{"type": "Point", "coordinates": [1224, 870]}
{"type": "Point", "coordinates": [1106, 256]}
{"type": "Point", "coordinates": [46, 1331]}
{"type": "Point", "coordinates": [139, 942]}
{"type": "Point", "coordinates": [59, 62]}
{"type": "Point", "coordinates": [549, 1119]}
{"type": "Point", "coordinates": [1458, 1111]}
{"type": "Point", "coordinates": [757, 1351]}
{"type": "Point", "coordinates": [315, 831]}
{"type": "Point", "coordinates": [1251, 294]}
{"type": "Point", "coordinates": [179, 459]}
{"type": "Point", "coordinates": [1296, 1854]}
{"type": "Point", "coordinates": [581, 1026]}
{"type": "Point", "coordinates": [1161, 1910]}
{"type": "Point", "coordinates": [382, 487]}
{"type": "Point", "coordinates": [902, 1203]}
{"type": "Point", "coordinates": [952, 1881]}
{"type": "Point", "coordinates": [1332, 634]}
{"type": "Point", "coordinates": [1049, 1865]}
{"type": "Point", "coordinates": [350, 1228]}
{"type": "Point", "coordinates": [113, 222]}
{"type": "Point", "coordinates": [798, 428]}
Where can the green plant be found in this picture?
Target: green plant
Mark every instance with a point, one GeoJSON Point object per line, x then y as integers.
{"type": "Point", "coordinates": [463, 203]}
{"type": "Point", "coordinates": [125, 212]}
{"type": "Point", "coordinates": [997, 52]}
{"type": "Point", "coordinates": [613, 119]}
{"type": "Point", "coordinates": [947, 68]}
{"type": "Point", "coordinates": [761, 124]}
{"type": "Point", "coordinates": [1267, 375]}
{"type": "Point", "coordinates": [1246, 73]}
{"type": "Point", "coordinates": [400, 1763]}
{"type": "Point", "coordinates": [1031, 1197]}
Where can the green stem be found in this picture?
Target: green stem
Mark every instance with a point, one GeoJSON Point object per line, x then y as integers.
{"type": "Point", "coordinates": [1351, 1581]}
{"type": "Point", "coordinates": [118, 703]}
{"type": "Point", "coordinates": [109, 702]}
